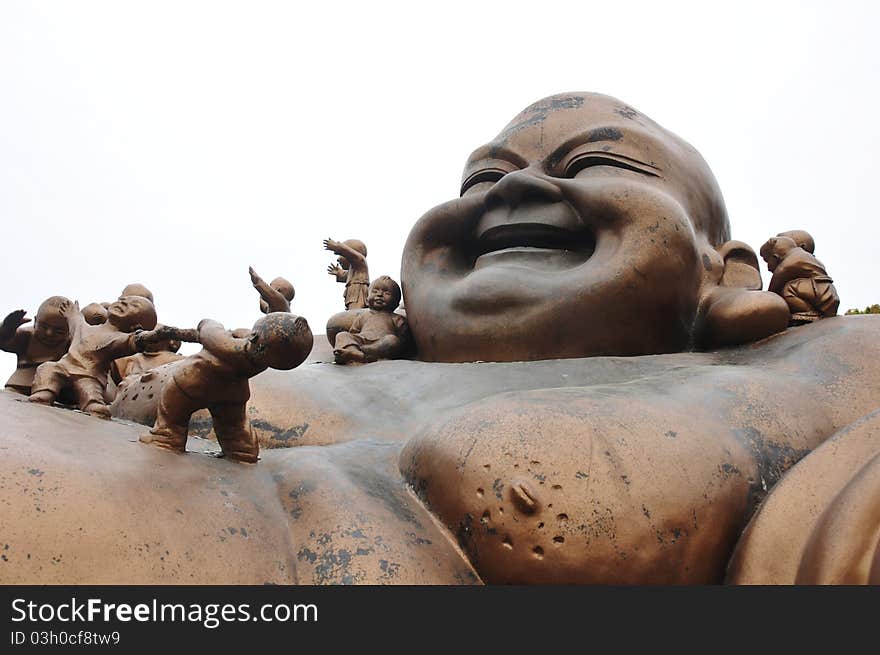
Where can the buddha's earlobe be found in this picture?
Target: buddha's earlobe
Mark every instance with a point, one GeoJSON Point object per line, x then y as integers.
{"type": "Point", "coordinates": [733, 310]}
{"type": "Point", "coordinates": [740, 266]}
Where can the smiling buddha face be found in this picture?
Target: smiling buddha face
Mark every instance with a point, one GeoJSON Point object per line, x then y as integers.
{"type": "Point", "coordinates": [583, 229]}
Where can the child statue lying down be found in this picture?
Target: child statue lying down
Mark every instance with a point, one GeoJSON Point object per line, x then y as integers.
{"type": "Point", "coordinates": [606, 437]}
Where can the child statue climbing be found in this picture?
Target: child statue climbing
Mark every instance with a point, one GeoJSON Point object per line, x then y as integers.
{"type": "Point", "coordinates": [216, 379]}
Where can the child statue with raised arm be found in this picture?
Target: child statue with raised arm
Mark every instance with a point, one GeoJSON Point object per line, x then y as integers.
{"type": "Point", "coordinates": [351, 268]}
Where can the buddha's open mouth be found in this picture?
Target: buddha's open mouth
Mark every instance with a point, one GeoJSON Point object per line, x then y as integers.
{"type": "Point", "coordinates": [534, 244]}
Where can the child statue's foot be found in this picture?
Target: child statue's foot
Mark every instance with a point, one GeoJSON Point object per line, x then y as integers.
{"type": "Point", "coordinates": [348, 355]}
{"type": "Point", "coordinates": [801, 318]}
{"type": "Point", "coordinates": [164, 439]}
{"type": "Point", "coordinates": [42, 397]}
{"type": "Point", "coordinates": [98, 409]}
{"type": "Point", "coordinates": [244, 456]}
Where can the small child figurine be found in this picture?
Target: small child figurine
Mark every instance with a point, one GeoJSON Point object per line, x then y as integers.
{"type": "Point", "coordinates": [275, 296]}
{"type": "Point", "coordinates": [378, 332]}
{"type": "Point", "coordinates": [800, 279]}
{"type": "Point", "coordinates": [92, 349]}
{"type": "Point", "coordinates": [216, 379]}
{"type": "Point", "coordinates": [351, 269]}
{"type": "Point", "coordinates": [46, 341]}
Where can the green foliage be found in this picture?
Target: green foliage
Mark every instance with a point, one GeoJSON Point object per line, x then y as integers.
{"type": "Point", "coordinates": [872, 309]}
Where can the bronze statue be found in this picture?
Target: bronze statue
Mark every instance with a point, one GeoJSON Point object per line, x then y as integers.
{"type": "Point", "coordinates": [216, 379]}
{"type": "Point", "coordinates": [377, 332]}
{"type": "Point", "coordinates": [351, 268]}
{"type": "Point", "coordinates": [45, 341]}
{"type": "Point", "coordinates": [694, 464]}
{"type": "Point", "coordinates": [274, 297]}
{"type": "Point", "coordinates": [581, 224]}
{"type": "Point", "coordinates": [86, 365]}
{"type": "Point", "coordinates": [800, 279]}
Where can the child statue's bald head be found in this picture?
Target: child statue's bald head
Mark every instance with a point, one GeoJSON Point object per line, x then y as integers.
{"type": "Point", "coordinates": [51, 321]}
{"type": "Point", "coordinates": [775, 249]}
{"type": "Point", "coordinates": [137, 289]}
{"type": "Point", "coordinates": [95, 313]}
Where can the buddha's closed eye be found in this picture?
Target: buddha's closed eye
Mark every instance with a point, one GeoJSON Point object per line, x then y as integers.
{"type": "Point", "coordinates": [584, 160]}
{"type": "Point", "coordinates": [482, 180]}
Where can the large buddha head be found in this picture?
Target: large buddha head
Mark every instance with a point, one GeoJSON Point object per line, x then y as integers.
{"type": "Point", "coordinates": [583, 229]}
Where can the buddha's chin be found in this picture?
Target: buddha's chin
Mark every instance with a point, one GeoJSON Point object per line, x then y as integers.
{"type": "Point", "coordinates": [524, 280]}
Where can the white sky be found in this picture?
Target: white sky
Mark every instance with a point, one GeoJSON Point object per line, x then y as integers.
{"type": "Point", "coordinates": [175, 143]}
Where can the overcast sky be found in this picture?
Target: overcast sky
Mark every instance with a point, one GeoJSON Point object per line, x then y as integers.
{"type": "Point", "coordinates": [176, 143]}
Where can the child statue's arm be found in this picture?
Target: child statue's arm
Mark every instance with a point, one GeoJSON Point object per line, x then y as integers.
{"type": "Point", "coordinates": [273, 297]}
{"type": "Point", "coordinates": [218, 340]}
{"type": "Point", "coordinates": [790, 268]}
{"type": "Point", "coordinates": [75, 319]}
{"type": "Point", "coordinates": [338, 272]}
{"type": "Point", "coordinates": [353, 256]}
{"type": "Point", "coordinates": [145, 338]}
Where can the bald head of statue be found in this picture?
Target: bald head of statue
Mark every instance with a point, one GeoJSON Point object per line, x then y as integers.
{"type": "Point", "coordinates": [584, 228]}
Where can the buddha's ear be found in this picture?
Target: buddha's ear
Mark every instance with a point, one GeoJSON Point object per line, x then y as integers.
{"type": "Point", "coordinates": [734, 310]}
{"type": "Point", "coordinates": [740, 266]}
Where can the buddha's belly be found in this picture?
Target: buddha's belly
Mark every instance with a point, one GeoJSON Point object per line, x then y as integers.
{"type": "Point", "coordinates": [595, 485]}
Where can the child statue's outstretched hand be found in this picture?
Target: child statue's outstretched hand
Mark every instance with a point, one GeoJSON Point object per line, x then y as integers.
{"type": "Point", "coordinates": [12, 322]}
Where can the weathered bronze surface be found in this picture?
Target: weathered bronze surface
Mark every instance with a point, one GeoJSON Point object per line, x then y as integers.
{"type": "Point", "coordinates": [660, 463]}
{"type": "Point", "coordinates": [612, 440]}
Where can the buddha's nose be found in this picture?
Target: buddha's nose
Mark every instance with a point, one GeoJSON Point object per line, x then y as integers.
{"type": "Point", "coordinates": [522, 187]}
